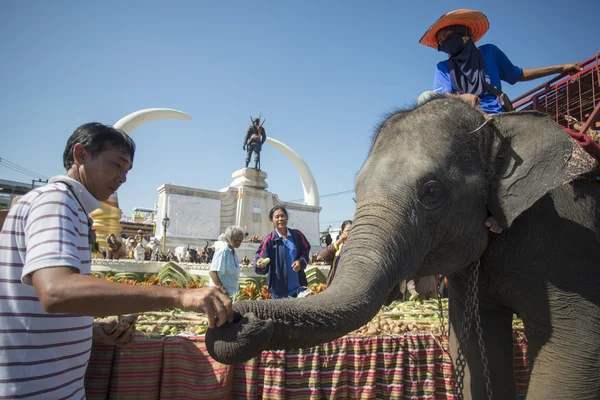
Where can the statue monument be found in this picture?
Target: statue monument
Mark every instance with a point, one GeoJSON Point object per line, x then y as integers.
{"type": "Point", "coordinates": [253, 141]}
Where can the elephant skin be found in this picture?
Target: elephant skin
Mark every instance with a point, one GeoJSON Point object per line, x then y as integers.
{"type": "Point", "coordinates": [433, 175]}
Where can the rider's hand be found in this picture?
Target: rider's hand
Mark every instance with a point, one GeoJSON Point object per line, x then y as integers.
{"type": "Point", "coordinates": [493, 225]}
{"type": "Point", "coordinates": [211, 301]}
{"type": "Point", "coordinates": [470, 99]}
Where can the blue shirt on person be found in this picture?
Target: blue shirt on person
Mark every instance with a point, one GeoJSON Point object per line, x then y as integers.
{"type": "Point", "coordinates": [497, 68]}
{"type": "Point", "coordinates": [225, 263]}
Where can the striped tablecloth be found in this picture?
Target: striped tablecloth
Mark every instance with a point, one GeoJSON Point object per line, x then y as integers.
{"type": "Point", "coordinates": [411, 366]}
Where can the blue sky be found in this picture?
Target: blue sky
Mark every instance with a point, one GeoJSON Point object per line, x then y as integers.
{"type": "Point", "coordinates": [323, 73]}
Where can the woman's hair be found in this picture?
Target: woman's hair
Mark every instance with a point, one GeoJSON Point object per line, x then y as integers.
{"type": "Point", "coordinates": [346, 222]}
{"type": "Point", "coordinates": [230, 231]}
{"type": "Point", "coordinates": [282, 208]}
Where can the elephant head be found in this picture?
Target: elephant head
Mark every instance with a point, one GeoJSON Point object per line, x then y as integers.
{"type": "Point", "coordinates": [433, 175]}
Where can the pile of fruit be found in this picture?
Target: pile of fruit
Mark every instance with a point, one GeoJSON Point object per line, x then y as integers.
{"type": "Point", "coordinates": [395, 319]}
{"type": "Point", "coordinates": [172, 322]}
{"type": "Point", "coordinates": [407, 316]}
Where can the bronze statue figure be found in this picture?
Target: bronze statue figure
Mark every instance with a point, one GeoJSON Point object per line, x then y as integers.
{"type": "Point", "coordinates": [255, 137]}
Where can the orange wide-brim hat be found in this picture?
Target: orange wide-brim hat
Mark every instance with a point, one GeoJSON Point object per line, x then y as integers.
{"type": "Point", "coordinates": [476, 21]}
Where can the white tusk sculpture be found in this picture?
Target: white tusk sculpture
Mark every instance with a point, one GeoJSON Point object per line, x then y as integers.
{"type": "Point", "coordinates": [311, 192]}
{"type": "Point", "coordinates": [130, 122]}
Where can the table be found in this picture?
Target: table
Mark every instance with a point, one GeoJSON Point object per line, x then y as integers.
{"type": "Point", "coordinates": [409, 366]}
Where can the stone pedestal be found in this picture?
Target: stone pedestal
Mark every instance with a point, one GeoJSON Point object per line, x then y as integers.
{"type": "Point", "coordinates": [199, 216]}
{"type": "Point", "coordinates": [249, 177]}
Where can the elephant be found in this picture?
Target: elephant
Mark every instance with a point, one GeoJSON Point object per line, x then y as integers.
{"type": "Point", "coordinates": [434, 174]}
{"type": "Point", "coordinates": [115, 248]}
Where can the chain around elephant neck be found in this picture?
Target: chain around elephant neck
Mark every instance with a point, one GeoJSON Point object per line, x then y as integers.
{"type": "Point", "coordinates": [471, 309]}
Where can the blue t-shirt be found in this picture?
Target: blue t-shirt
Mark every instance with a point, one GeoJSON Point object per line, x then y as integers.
{"type": "Point", "coordinates": [497, 68]}
{"type": "Point", "coordinates": [225, 263]}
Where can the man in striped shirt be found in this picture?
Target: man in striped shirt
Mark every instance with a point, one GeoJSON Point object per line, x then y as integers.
{"type": "Point", "coordinates": [47, 296]}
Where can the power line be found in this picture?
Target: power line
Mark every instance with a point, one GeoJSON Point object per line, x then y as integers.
{"type": "Point", "coordinates": [343, 192]}
{"type": "Point", "coordinates": [17, 168]}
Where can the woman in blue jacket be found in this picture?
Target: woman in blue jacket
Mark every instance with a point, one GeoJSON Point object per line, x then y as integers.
{"type": "Point", "coordinates": [288, 252]}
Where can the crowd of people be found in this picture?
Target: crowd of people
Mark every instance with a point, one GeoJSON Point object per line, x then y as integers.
{"type": "Point", "coordinates": [49, 298]}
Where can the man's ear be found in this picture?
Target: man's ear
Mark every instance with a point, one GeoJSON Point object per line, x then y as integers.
{"type": "Point", "coordinates": [534, 155]}
{"type": "Point", "coordinates": [79, 154]}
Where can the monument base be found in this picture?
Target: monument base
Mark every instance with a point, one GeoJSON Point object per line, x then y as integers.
{"type": "Point", "coordinates": [249, 177]}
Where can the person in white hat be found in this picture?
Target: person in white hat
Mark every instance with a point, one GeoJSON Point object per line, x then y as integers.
{"type": "Point", "coordinates": [472, 73]}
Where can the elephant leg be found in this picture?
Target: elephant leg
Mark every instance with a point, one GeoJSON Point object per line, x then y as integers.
{"type": "Point", "coordinates": [496, 324]}
{"type": "Point", "coordinates": [564, 359]}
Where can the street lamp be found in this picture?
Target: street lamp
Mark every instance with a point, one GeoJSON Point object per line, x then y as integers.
{"type": "Point", "coordinates": [165, 223]}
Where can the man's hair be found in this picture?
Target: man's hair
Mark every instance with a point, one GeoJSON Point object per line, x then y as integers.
{"type": "Point", "coordinates": [282, 208]}
{"type": "Point", "coordinates": [96, 137]}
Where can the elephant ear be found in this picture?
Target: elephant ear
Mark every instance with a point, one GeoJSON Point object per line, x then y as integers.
{"type": "Point", "coordinates": [533, 156]}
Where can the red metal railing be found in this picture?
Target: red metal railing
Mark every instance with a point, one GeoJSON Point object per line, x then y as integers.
{"type": "Point", "coordinates": [573, 101]}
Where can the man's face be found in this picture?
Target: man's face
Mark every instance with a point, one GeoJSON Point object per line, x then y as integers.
{"type": "Point", "coordinates": [103, 174]}
{"type": "Point", "coordinates": [444, 34]}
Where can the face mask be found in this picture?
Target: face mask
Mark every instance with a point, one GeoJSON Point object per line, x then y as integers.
{"type": "Point", "coordinates": [453, 44]}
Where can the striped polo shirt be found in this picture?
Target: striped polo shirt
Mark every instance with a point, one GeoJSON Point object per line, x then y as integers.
{"type": "Point", "coordinates": [42, 355]}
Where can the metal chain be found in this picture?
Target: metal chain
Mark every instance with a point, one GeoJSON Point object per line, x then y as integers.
{"type": "Point", "coordinates": [471, 309]}
{"type": "Point", "coordinates": [484, 361]}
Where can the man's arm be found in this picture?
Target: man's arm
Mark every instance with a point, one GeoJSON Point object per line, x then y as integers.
{"type": "Point", "coordinates": [534, 73]}
{"type": "Point", "coordinates": [64, 290]}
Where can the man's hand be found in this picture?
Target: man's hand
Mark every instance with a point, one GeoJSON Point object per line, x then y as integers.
{"type": "Point", "coordinates": [111, 332]}
{"type": "Point", "coordinates": [296, 266]}
{"type": "Point", "coordinates": [470, 99]}
{"type": "Point", "coordinates": [211, 301]}
{"type": "Point", "coordinates": [571, 67]}
{"type": "Point", "coordinates": [259, 263]}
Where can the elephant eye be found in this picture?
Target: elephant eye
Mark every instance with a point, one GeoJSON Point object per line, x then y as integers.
{"type": "Point", "coordinates": [432, 195]}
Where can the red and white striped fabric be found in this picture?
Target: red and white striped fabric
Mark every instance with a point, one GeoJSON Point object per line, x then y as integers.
{"type": "Point", "coordinates": [42, 355]}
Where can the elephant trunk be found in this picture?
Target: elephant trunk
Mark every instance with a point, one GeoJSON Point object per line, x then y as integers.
{"type": "Point", "coordinates": [362, 284]}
